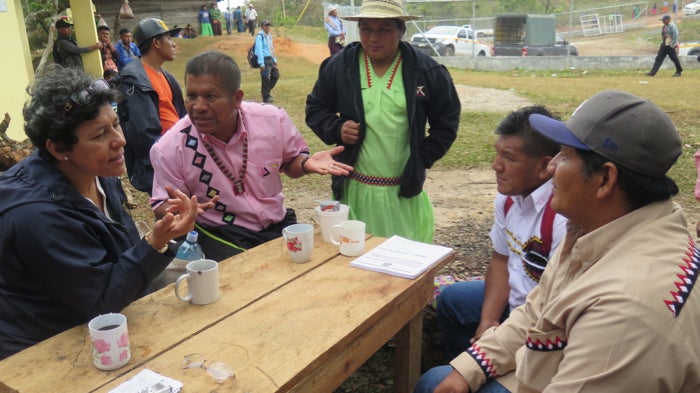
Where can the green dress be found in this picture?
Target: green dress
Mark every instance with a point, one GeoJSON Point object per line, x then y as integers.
{"type": "Point", "coordinates": [384, 153]}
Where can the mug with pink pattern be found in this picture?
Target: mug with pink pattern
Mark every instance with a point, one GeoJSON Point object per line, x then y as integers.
{"type": "Point", "coordinates": [110, 341]}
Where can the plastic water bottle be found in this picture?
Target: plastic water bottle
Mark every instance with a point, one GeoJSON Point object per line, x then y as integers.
{"type": "Point", "coordinates": [188, 251]}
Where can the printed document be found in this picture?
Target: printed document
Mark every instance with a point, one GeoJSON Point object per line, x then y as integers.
{"type": "Point", "coordinates": [401, 257]}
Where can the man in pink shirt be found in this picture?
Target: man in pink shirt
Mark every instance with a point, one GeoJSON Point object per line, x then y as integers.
{"type": "Point", "coordinates": [232, 152]}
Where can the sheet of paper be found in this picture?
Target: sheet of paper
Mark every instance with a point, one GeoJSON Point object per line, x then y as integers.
{"type": "Point", "coordinates": [401, 257]}
{"type": "Point", "coordinates": [148, 381]}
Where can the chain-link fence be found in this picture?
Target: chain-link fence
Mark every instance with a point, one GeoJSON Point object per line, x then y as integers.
{"type": "Point", "coordinates": [579, 20]}
{"type": "Point", "coordinates": [572, 18]}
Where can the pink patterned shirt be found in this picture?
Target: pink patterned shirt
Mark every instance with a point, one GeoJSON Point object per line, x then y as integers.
{"type": "Point", "coordinates": [181, 160]}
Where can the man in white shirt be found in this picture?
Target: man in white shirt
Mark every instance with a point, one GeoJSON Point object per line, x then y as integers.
{"type": "Point", "coordinates": [616, 309]}
{"type": "Point", "coordinates": [525, 233]}
{"type": "Point", "coordinates": [251, 17]}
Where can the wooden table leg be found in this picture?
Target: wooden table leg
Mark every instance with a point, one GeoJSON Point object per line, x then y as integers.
{"type": "Point", "coordinates": [407, 355]}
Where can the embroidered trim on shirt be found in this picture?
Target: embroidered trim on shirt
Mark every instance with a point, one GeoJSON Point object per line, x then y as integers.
{"type": "Point", "coordinates": [375, 180]}
{"type": "Point", "coordinates": [485, 363]}
{"type": "Point", "coordinates": [550, 345]}
{"type": "Point", "coordinates": [688, 277]}
{"type": "Point", "coordinates": [198, 161]}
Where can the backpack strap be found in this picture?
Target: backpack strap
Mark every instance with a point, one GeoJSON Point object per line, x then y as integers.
{"type": "Point", "coordinates": [507, 205]}
{"type": "Point", "coordinates": [546, 226]}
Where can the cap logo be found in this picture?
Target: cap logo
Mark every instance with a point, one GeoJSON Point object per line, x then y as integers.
{"type": "Point", "coordinates": [609, 144]}
{"type": "Point", "coordinates": [163, 25]}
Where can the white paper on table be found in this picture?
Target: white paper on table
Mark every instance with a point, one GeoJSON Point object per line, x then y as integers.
{"type": "Point", "coordinates": [401, 257]}
{"type": "Point", "coordinates": [141, 382]}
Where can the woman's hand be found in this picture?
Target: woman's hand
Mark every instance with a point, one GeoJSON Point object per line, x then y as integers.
{"type": "Point", "coordinates": [350, 132]}
{"type": "Point", "coordinates": [174, 204]}
{"type": "Point", "coordinates": [322, 162]}
{"type": "Point", "coordinates": [181, 213]}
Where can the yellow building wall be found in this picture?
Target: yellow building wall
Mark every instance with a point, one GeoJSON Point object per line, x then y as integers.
{"type": "Point", "coordinates": [16, 67]}
{"type": "Point", "coordinates": [16, 70]}
{"type": "Point", "coordinates": [86, 35]}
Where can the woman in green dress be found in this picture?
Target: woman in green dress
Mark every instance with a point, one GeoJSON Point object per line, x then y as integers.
{"type": "Point", "coordinates": [375, 98]}
{"type": "Point", "coordinates": [205, 22]}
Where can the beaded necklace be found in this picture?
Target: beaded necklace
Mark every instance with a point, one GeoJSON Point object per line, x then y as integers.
{"type": "Point", "coordinates": [393, 71]}
{"type": "Point", "coordinates": [238, 183]}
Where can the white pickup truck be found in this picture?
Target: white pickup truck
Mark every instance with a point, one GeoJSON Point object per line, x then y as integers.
{"type": "Point", "coordinates": [450, 41]}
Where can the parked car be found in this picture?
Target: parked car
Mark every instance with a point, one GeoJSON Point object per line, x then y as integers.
{"type": "Point", "coordinates": [692, 9]}
{"type": "Point", "coordinates": [450, 41]}
{"type": "Point", "coordinates": [481, 34]}
{"type": "Point", "coordinates": [561, 46]}
{"type": "Point", "coordinates": [689, 49]}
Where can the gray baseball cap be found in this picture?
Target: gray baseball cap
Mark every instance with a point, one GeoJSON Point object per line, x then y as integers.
{"type": "Point", "coordinates": [151, 27]}
{"type": "Point", "coordinates": [628, 130]}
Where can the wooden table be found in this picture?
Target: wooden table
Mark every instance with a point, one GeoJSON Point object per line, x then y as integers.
{"type": "Point", "coordinates": [282, 326]}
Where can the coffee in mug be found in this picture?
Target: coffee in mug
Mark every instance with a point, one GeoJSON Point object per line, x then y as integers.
{"type": "Point", "coordinates": [110, 341]}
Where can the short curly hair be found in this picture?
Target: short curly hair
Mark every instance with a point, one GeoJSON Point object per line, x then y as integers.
{"type": "Point", "coordinates": [45, 116]}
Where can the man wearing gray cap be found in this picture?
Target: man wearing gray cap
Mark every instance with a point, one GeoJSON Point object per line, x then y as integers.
{"type": "Point", "coordinates": [616, 309]}
{"type": "Point", "coordinates": [669, 41]}
{"type": "Point", "coordinates": [153, 99]}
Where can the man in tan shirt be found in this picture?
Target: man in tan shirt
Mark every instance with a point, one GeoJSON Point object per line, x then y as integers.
{"type": "Point", "coordinates": [615, 310]}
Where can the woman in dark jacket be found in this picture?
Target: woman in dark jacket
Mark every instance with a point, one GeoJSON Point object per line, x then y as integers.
{"type": "Point", "coordinates": [69, 250]}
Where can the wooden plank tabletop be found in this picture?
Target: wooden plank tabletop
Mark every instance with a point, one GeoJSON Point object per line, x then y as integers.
{"type": "Point", "coordinates": [156, 322]}
{"type": "Point", "coordinates": [281, 326]}
{"type": "Point", "coordinates": [295, 339]}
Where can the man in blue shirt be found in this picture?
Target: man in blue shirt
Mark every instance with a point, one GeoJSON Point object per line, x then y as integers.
{"type": "Point", "coordinates": [336, 30]}
{"type": "Point", "coordinates": [228, 16]}
{"type": "Point", "coordinates": [126, 49]}
{"type": "Point", "coordinates": [238, 19]}
{"type": "Point", "coordinates": [269, 73]}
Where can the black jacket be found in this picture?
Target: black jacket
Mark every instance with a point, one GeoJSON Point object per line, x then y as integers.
{"type": "Point", "coordinates": [337, 97]}
{"type": "Point", "coordinates": [62, 260]}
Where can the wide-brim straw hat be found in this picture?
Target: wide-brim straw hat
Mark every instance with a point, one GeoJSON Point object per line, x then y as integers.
{"type": "Point", "coordinates": [381, 9]}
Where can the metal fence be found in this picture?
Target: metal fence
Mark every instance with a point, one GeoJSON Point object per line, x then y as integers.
{"type": "Point", "coordinates": [577, 20]}
{"type": "Point", "coordinates": [581, 21]}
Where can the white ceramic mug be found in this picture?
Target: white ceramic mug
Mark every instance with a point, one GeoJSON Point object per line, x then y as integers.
{"type": "Point", "coordinates": [326, 220]}
{"type": "Point", "coordinates": [110, 341]}
{"type": "Point", "coordinates": [202, 282]}
{"type": "Point", "coordinates": [299, 241]}
{"type": "Point", "coordinates": [350, 236]}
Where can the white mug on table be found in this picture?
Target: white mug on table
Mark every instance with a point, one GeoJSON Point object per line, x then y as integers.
{"type": "Point", "coordinates": [350, 236]}
{"type": "Point", "coordinates": [328, 218]}
{"type": "Point", "coordinates": [202, 282]}
{"type": "Point", "coordinates": [299, 241]}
